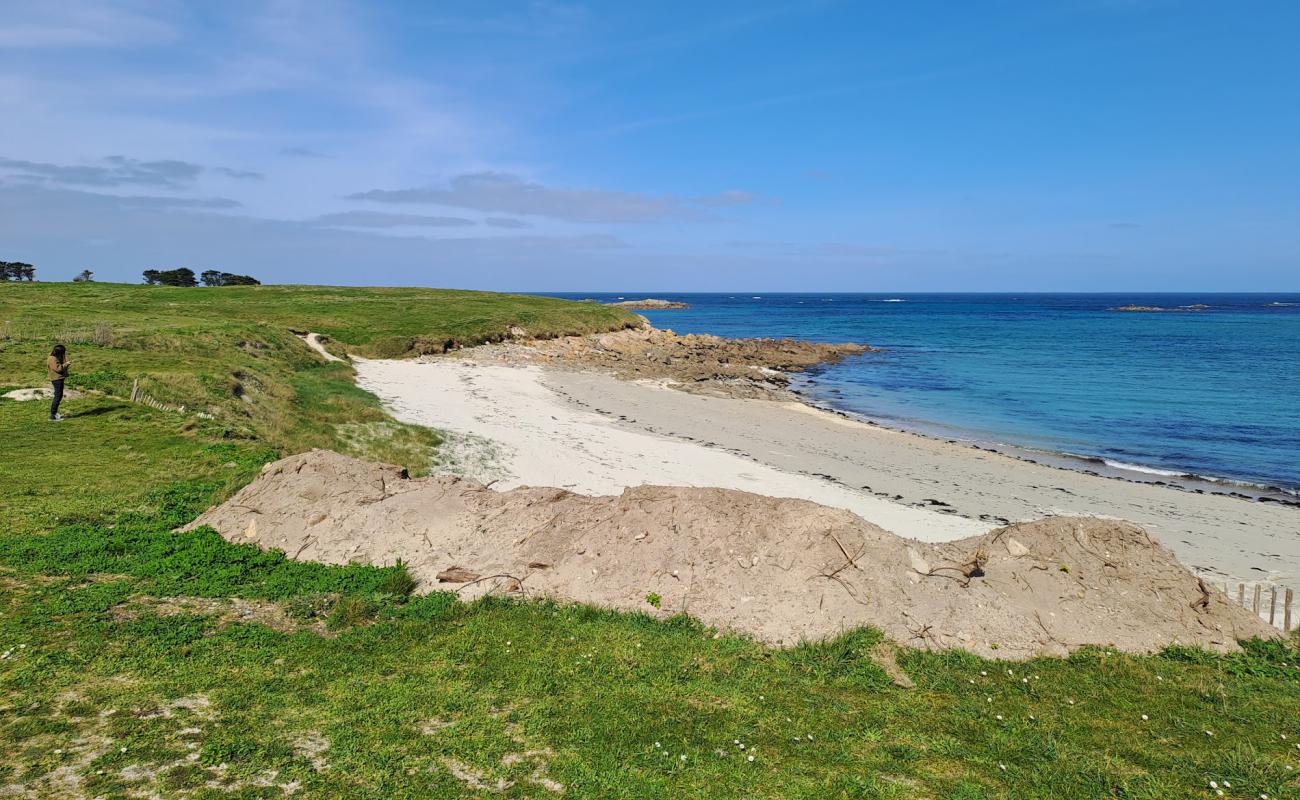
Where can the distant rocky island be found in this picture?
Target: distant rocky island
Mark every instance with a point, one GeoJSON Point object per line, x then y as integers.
{"type": "Point", "coordinates": [1196, 307]}
{"type": "Point", "coordinates": [649, 304]}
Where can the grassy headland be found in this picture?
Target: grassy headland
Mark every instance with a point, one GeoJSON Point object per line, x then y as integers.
{"type": "Point", "coordinates": [137, 660]}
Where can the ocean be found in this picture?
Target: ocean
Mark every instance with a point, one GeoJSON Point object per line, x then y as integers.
{"type": "Point", "coordinates": [1212, 393]}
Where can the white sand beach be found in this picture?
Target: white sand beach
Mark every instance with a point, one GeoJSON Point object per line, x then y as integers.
{"type": "Point", "coordinates": [596, 434]}
{"type": "Point", "coordinates": [542, 440]}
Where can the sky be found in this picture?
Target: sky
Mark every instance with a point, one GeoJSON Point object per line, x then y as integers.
{"type": "Point", "coordinates": [544, 145]}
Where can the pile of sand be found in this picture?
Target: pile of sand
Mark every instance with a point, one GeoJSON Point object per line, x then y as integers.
{"type": "Point", "coordinates": [736, 367]}
{"type": "Point", "coordinates": [781, 570]}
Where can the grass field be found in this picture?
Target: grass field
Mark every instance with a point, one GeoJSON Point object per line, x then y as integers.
{"type": "Point", "coordinates": [139, 662]}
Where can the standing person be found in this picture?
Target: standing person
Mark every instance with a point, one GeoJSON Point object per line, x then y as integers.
{"type": "Point", "coordinates": [57, 368]}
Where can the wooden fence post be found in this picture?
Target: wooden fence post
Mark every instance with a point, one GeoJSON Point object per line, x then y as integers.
{"type": "Point", "coordinates": [1272, 606]}
{"type": "Point", "coordinates": [1241, 595]}
{"type": "Point", "coordinates": [135, 390]}
{"type": "Point", "coordinates": [1255, 605]}
{"type": "Point", "coordinates": [1286, 612]}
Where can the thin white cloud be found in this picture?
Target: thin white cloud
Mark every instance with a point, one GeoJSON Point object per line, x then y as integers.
{"type": "Point", "coordinates": [499, 192]}
{"type": "Point", "coordinates": [507, 222]}
{"type": "Point", "coordinates": [119, 171]}
{"type": "Point", "coordinates": [731, 197]}
{"type": "Point", "coordinates": [380, 219]}
{"type": "Point", "coordinates": [84, 23]}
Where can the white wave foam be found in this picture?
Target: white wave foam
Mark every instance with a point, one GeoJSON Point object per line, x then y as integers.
{"type": "Point", "coordinates": [1140, 468]}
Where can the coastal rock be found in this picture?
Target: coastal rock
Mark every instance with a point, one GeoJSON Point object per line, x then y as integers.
{"type": "Point", "coordinates": [40, 393]}
{"type": "Point", "coordinates": [778, 569]}
{"type": "Point", "coordinates": [696, 362]}
{"type": "Point", "coordinates": [1193, 307]}
{"type": "Point", "coordinates": [649, 304]}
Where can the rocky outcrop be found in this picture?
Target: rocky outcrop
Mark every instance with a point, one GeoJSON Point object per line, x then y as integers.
{"type": "Point", "coordinates": [698, 362]}
{"type": "Point", "coordinates": [781, 570]}
{"type": "Point", "coordinates": [1194, 307]}
{"type": "Point", "coordinates": [649, 304]}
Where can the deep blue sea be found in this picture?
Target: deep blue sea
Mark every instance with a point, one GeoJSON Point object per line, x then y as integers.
{"type": "Point", "coordinates": [1213, 393]}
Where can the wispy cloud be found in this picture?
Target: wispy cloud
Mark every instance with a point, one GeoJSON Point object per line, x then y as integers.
{"type": "Point", "coordinates": [499, 192]}
{"type": "Point", "coordinates": [300, 152]}
{"type": "Point", "coordinates": [731, 197]}
{"type": "Point", "coordinates": [119, 171]}
{"type": "Point", "coordinates": [83, 23]}
{"type": "Point", "coordinates": [380, 219]}
{"type": "Point", "coordinates": [507, 222]}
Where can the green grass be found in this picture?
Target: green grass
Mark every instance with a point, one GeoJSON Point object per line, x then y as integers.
{"type": "Point", "coordinates": [231, 354]}
{"type": "Point", "coordinates": [225, 671]}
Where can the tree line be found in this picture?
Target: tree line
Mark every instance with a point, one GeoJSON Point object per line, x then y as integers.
{"type": "Point", "coordinates": [16, 271]}
{"type": "Point", "coordinates": [184, 276]}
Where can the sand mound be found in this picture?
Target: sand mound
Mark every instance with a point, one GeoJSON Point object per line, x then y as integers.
{"type": "Point", "coordinates": [779, 569]}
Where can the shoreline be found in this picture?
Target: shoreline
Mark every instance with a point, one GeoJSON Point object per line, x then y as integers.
{"type": "Point", "coordinates": [577, 426]}
{"type": "Point", "coordinates": [1095, 466]}
{"type": "Point", "coordinates": [1216, 534]}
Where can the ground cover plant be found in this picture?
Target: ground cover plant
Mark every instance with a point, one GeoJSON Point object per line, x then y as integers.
{"type": "Point", "coordinates": [138, 661]}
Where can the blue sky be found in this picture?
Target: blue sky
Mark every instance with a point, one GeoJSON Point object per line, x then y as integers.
{"type": "Point", "coordinates": [1086, 145]}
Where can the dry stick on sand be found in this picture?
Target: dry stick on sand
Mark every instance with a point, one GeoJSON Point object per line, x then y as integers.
{"type": "Point", "coordinates": [973, 568]}
{"type": "Point", "coordinates": [849, 561]}
{"type": "Point", "coordinates": [518, 582]}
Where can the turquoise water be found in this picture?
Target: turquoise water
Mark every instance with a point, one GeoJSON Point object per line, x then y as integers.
{"type": "Point", "coordinates": [1213, 393]}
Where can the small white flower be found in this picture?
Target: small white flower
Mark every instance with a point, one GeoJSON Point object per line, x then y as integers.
{"type": "Point", "coordinates": [1032, 718]}
{"type": "Point", "coordinates": [1071, 702]}
{"type": "Point", "coordinates": [1227, 785]}
{"type": "Point", "coordinates": [810, 737]}
{"type": "Point", "coordinates": [1002, 767]}
{"type": "Point", "coordinates": [1214, 784]}
{"type": "Point", "coordinates": [1209, 733]}
{"type": "Point", "coordinates": [58, 752]}
{"type": "Point", "coordinates": [999, 717]}
{"type": "Point", "coordinates": [972, 681]}
{"type": "Point", "coordinates": [1145, 717]}
{"type": "Point", "coordinates": [657, 745]}
{"type": "Point", "coordinates": [683, 756]}
{"type": "Point", "coordinates": [982, 672]}
{"type": "Point", "coordinates": [751, 758]}
{"type": "Point", "coordinates": [123, 749]}
{"type": "Point", "coordinates": [1024, 680]}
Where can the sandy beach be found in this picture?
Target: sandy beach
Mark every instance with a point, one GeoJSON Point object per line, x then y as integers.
{"type": "Point", "coordinates": [596, 434]}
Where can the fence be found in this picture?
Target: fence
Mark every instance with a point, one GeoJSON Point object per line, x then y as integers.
{"type": "Point", "coordinates": [1272, 603]}
{"type": "Point", "coordinates": [138, 396]}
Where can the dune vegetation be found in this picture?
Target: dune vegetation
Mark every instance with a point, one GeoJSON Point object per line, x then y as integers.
{"type": "Point", "coordinates": [140, 661]}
